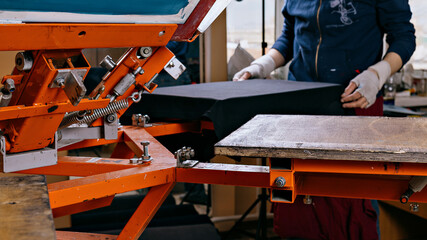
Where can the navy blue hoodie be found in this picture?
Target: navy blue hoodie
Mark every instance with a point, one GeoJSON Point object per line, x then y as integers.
{"type": "Point", "coordinates": [334, 40]}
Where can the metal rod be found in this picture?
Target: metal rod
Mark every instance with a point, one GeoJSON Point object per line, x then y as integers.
{"type": "Point", "coordinates": [263, 43]}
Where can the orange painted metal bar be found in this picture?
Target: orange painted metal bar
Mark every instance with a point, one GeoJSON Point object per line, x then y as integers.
{"type": "Point", "coordinates": [93, 142]}
{"type": "Point", "coordinates": [163, 129]}
{"type": "Point", "coordinates": [63, 235]}
{"type": "Point", "coordinates": [79, 36]}
{"type": "Point", "coordinates": [356, 186]}
{"type": "Point", "coordinates": [225, 174]}
{"type": "Point", "coordinates": [160, 171]}
{"type": "Point", "coordinates": [145, 211]}
{"type": "Point", "coordinates": [82, 207]}
{"type": "Point", "coordinates": [360, 167]}
{"type": "Point", "coordinates": [133, 136]}
{"type": "Point", "coordinates": [14, 112]}
{"type": "Point", "coordinates": [82, 166]}
{"type": "Point", "coordinates": [122, 151]}
{"type": "Point", "coordinates": [97, 186]}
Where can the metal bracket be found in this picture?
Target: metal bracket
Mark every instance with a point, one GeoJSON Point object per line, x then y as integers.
{"type": "Point", "coordinates": [174, 67]}
{"type": "Point", "coordinates": [141, 120]}
{"type": "Point", "coordinates": [13, 162]}
{"type": "Point", "coordinates": [183, 157]}
{"type": "Point", "coordinates": [111, 126]}
{"type": "Point", "coordinates": [71, 80]}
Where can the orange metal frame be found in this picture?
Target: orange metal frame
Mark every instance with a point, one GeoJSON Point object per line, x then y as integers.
{"type": "Point", "coordinates": [79, 36]}
{"type": "Point", "coordinates": [103, 178]}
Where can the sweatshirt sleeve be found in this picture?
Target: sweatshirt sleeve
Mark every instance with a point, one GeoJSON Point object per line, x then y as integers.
{"type": "Point", "coordinates": [284, 44]}
{"type": "Point", "coordinates": [394, 18]}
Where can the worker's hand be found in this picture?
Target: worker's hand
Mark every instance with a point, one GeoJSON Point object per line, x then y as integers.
{"type": "Point", "coordinates": [246, 73]}
{"type": "Point", "coordinates": [363, 89]}
{"type": "Point", "coordinates": [260, 68]}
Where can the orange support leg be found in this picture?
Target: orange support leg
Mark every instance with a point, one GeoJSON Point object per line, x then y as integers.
{"type": "Point", "coordinates": [146, 211]}
{"type": "Point", "coordinates": [82, 207]}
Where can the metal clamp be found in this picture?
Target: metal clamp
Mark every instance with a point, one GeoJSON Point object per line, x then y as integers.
{"type": "Point", "coordinates": [111, 125]}
{"type": "Point", "coordinates": [141, 120]}
{"type": "Point", "coordinates": [183, 157]}
{"type": "Point", "coordinates": [174, 67]}
{"type": "Point", "coordinates": [72, 83]}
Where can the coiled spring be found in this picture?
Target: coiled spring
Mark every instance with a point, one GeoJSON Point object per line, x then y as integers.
{"type": "Point", "coordinates": [78, 117]}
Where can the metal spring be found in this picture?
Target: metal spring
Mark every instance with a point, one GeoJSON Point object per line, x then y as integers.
{"type": "Point", "coordinates": [113, 107]}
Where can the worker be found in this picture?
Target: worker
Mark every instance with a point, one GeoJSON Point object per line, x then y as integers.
{"type": "Point", "coordinates": [338, 41]}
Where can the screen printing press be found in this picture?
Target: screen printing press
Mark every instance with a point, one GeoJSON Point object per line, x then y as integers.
{"type": "Point", "coordinates": [45, 108]}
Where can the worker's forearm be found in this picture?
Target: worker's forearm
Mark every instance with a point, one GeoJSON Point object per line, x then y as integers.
{"type": "Point", "coordinates": [394, 60]}
{"type": "Point", "coordinates": [277, 57]}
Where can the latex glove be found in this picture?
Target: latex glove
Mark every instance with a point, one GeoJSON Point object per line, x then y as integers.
{"type": "Point", "coordinates": [260, 68]}
{"type": "Point", "coordinates": [363, 89]}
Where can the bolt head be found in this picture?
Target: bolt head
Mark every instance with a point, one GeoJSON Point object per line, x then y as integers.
{"type": "Point", "coordinates": [414, 207]}
{"type": "Point", "coordinates": [145, 143]}
{"type": "Point", "coordinates": [308, 200]}
{"type": "Point", "coordinates": [111, 118]}
{"type": "Point", "coordinates": [280, 182]}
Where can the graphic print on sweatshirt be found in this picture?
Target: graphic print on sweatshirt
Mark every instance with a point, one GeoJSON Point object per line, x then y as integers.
{"type": "Point", "coordinates": [343, 9]}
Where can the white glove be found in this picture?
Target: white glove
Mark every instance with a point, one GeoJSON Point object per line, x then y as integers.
{"type": "Point", "coordinates": [369, 83]}
{"type": "Point", "coordinates": [260, 68]}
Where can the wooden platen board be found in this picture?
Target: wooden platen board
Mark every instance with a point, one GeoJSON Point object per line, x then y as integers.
{"type": "Point", "coordinates": [24, 209]}
{"type": "Point", "coordinates": [329, 137]}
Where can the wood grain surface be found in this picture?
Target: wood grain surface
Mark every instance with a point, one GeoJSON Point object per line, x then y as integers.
{"type": "Point", "coordinates": [329, 137]}
{"type": "Point", "coordinates": [24, 209]}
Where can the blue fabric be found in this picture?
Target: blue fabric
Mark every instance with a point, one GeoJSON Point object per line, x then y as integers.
{"type": "Point", "coordinates": [351, 33]}
{"type": "Point", "coordinates": [111, 7]}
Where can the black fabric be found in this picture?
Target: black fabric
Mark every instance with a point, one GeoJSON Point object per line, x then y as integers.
{"type": "Point", "coordinates": [231, 104]}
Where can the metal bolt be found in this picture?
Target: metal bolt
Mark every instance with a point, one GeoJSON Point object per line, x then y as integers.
{"type": "Point", "coordinates": [146, 157]}
{"type": "Point", "coordinates": [171, 65]}
{"type": "Point", "coordinates": [308, 200]}
{"type": "Point", "coordinates": [161, 33]}
{"type": "Point", "coordinates": [111, 118]}
{"type": "Point", "coordinates": [280, 182]}
{"type": "Point", "coordinates": [9, 85]}
{"type": "Point", "coordinates": [136, 118]}
{"type": "Point", "coordinates": [146, 118]}
{"type": "Point", "coordinates": [145, 52]}
{"type": "Point", "coordinates": [108, 63]}
{"type": "Point", "coordinates": [414, 207]}
{"type": "Point", "coordinates": [145, 144]}
{"type": "Point", "coordinates": [60, 82]}
{"type": "Point", "coordinates": [138, 71]}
